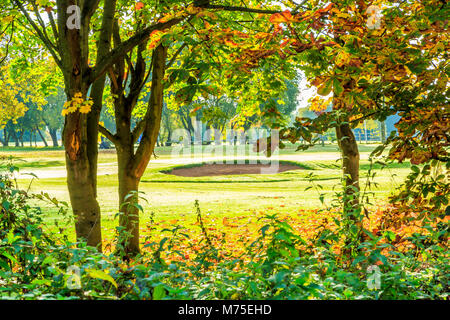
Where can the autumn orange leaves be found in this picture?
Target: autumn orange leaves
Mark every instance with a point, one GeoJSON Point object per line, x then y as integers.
{"type": "Point", "coordinates": [284, 17]}
{"type": "Point", "coordinates": [287, 17]}
{"type": "Point", "coordinates": [139, 5]}
{"type": "Point", "coordinates": [231, 235]}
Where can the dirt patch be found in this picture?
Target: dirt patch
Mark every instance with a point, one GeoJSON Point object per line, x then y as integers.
{"type": "Point", "coordinates": [231, 169]}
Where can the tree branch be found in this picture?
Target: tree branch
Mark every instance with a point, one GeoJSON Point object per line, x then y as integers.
{"type": "Point", "coordinates": [50, 46]}
{"type": "Point", "coordinates": [129, 44]}
{"type": "Point", "coordinates": [240, 9]}
{"type": "Point", "coordinates": [53, 24]}
{"type": "Point", "coordinates": [175, 55]}
{"type": "Point", "coordinates": [138, 130]}
{"type": "Point", "coordinates": [111, 137]}
{"type": "Point", "coordinates": [89, 8]}
{"type": "Point", "coordinates": [42, 24]}
{"type": "Point", "coordinates": [8, 43]}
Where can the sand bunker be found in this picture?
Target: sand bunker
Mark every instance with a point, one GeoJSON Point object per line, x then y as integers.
{"type": "Point", "coordinates": [231, 169]}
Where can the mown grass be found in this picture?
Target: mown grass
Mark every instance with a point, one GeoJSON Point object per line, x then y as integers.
{"type": "Point", "coordinates": [42, 158]}
{"type": "Point", "coordinates": [48, 157]}
{"type": "Point", "coordinates": [169, 196]}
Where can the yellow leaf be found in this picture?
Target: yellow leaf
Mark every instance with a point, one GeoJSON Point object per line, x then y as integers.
{"type": "Point", "coordinates": [284, 16]}
{"type": "Point", "coordinates": [99, 274]}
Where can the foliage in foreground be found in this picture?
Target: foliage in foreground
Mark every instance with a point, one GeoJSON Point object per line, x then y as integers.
{"type": "Point", "coordinates": [279, 264]}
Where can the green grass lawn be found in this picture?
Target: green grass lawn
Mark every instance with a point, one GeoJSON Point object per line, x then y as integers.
{"type": "Point", "coordinates": [172, 196]}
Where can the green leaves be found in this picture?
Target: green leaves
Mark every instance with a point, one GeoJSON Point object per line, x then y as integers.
{"type": "Point", "coordinates": [325, 88]}
{"type": "Point", "coordinates": [330, 84]}
{"type": "Point", "coordinates": [99, 274]}
{"type": "Point", "coordinates": [9, 256]}
{"type": "Point", "coordinates": [337, 86]}
{"type": "Point", "coordinates": [159, 292]}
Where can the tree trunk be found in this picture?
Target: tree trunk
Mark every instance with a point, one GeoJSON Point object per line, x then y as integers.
{"type": "Point", "coordinates": [21, 133]}
{"type": "Point", "coordinates": [81, 181]}
{"type": "Point", "coordinates": [80, 139]}
{"type": "Point", "coordinates": [5, 140]}
{"type": "Point", "coordinates": [198, 131]}
{"type": "Point", "coordinates": [207, 134]}
{"type": "Point", "coordinates": [365, 132]}
{"type": "Point", "coordinates": [132, 164]}
{"type": "Point", "coordinates": [383, 131]}
{"type": "Point", "coordinates": [129, 218]}
{"type": "Point", "coordinates": [84, 203]}
{"type": "Point", "coordinates": [128, 182]}
{"type": "Point", "coordinates": [217, 137]}
{"type": "Point", "coordinates": [350, 162]}
{"type": "Point", "coordinates": [186, 121]}
{"type": "Point", "coordinates": [13, 136]}
{"type": "Point", "coordinates": [42, 136]}
{"type": "Point", "coordinates": [169, 135]}
{"type": "Point", "coordinates": [16, 139]}
{"type": "Point", "coordinates": [350, 168]}
{"type": "Point", "coordinates": [54, 136]}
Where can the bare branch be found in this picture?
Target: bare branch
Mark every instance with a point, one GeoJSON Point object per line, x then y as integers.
{"type": "Point", "coordinates": [50, 46]}
{"type": "Point", "coordinates": [42, 24]}
{"type": "Point", "coordinates": [129, 44]}
{"type": "Point", "coordinates": [8, 43]}
{"type": "Point", "coordinates": [53, 24]}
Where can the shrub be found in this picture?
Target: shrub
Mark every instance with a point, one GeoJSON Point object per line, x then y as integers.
{"type": "Point", "coordinates": [37, 264]}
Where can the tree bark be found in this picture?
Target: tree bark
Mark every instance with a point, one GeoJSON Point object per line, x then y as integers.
{"type": "Point", "coordinates": [54, 136]}
{"type": "Point", "coordinates": [129, 218]}
{"type": "Point", "coordinates": [81, 182]}
{"type": "Point", "coordinates": [350, 165]}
